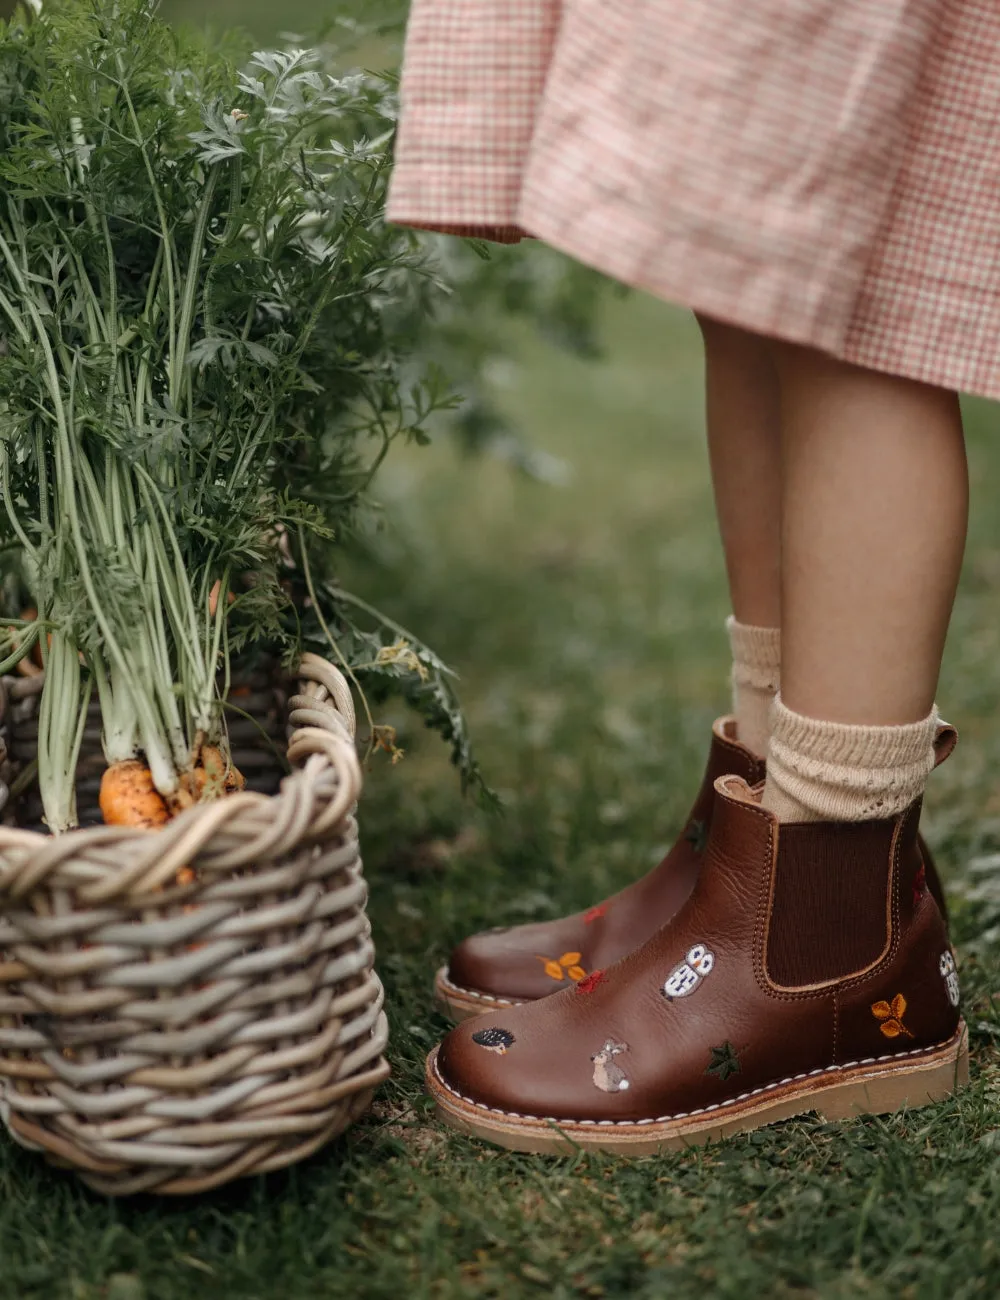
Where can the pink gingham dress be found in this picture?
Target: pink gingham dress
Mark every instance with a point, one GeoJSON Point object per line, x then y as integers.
{"type": "Point", "coordinates": [825, 171]}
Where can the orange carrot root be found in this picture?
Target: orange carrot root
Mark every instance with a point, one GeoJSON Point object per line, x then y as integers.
{"type": "Point", "coordinates": [210, 778]}
{"type": "Point", "coordinates": [129, 797]}
{"type": "Point", "coordinates": [213, 598]}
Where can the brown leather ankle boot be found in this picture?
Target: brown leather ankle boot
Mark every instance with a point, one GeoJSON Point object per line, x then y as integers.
{"type": "Point", "coordinates": [809, 970]}
{"type": "Point", "coordinates": [507, 966]}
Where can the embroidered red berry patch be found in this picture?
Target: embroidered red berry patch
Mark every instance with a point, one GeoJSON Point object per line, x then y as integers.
{"type": "Point", "coordinates": [594, 914]}
{"type": "Point", "coordinates": [919, 884]}
{"type": "Point", "coordinates": [590, 982]}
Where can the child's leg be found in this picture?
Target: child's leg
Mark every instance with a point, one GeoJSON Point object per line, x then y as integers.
{"type": "Point", "coordinates": [874, 511]}
{"type": "Point", "coordinates": [744, 442]}
{"type": "Point", "coordinates": [744, 446]}
{"type": "Point", "coordinates": [808, 970]}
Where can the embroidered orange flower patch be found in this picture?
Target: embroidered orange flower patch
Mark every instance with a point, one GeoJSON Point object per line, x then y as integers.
{"type": "Point", "coordinates": [594, 914]}
{"type": "Point", "coordinates": [890, 1014]}
{"type": "Point", "coordinates": [566, 967]}
{"type": "Point", "coordinates": [590, 982]}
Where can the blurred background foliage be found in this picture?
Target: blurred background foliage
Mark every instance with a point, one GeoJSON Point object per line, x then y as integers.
{"type": "Point", "coordinates": [582, 603]}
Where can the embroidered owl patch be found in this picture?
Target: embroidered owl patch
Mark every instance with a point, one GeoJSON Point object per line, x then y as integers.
{"type": "Point", "coordinates": [950, 976]}
{"type": "Point", "coordinates": [494, 1039]}
{"type": "Point", "coordinates": [685, 978]}
{"type": "Point", "coordinates": [608, 1074]}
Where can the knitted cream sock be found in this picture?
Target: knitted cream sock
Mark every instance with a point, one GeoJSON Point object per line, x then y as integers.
{"type": "Point", "coordinates": [829, 771]}
{"type": "Point", "coordinates": [756, 674]}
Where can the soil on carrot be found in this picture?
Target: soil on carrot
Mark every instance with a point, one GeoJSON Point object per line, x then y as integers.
{"type": "Point", "coordinates": [586, 620]}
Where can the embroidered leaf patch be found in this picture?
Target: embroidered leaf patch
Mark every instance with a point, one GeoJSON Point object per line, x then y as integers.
{"type": "Point", "coordinates": [565, 967]}
{"type": "Point", "coordinates": [890, 1014]}
{"type": "Point", "coordinates": [725, 1061]}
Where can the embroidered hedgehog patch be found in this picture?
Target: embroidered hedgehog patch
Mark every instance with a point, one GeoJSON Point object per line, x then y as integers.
{"type": "Point", "coordinates": [494, 1039]}
{"type": "Point", "coordinates": [608, 1075]}
{"type": "Point", "coordinates": [685, 978]}
{"type": "Point", "coordinates": [950, 976]}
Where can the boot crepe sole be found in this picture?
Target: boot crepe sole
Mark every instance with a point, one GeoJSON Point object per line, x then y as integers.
{"type": "Point", "coordinates": [460, 1004]}
{"type": "Point", "coordinates": [878, 1085]}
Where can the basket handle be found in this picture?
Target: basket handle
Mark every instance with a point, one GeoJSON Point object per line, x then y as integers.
{"type": "Point", "coordinates": [323, 721]}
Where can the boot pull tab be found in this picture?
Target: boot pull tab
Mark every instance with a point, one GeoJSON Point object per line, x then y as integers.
{"type": "Point", "coordinates": [944, 742]}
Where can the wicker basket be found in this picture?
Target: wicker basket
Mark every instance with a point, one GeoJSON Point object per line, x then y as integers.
{"type": "Point", "coordinates": [168, 1037]}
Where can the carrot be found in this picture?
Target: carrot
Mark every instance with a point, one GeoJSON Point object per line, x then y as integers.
{"type": "Point", "coordinates": [33, 665]}
{"type": "Point", "coordinates": [129, 798]}
{"type": "Point", "coordinates": [213, 597]}
{"type": "Point", "coordinates": [210, 778]}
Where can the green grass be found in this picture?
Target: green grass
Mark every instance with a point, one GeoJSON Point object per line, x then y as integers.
{"type": "Point", "coordinates": [587, 624]}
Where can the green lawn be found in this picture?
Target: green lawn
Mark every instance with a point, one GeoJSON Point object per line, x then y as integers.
{"type": "Point", "coordinates": [586, 623]}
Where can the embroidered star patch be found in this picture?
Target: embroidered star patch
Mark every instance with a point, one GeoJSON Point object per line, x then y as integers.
{"type": "Point", "coordinates": [724, 1062]}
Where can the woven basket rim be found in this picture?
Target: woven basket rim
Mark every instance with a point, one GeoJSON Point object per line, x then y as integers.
{"type": "Point", "coordinates": [325, 768]}
{"type": "Point", "coordinates": [120, 983]}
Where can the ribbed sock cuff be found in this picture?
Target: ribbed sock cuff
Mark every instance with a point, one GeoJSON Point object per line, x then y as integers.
{"type": "Point", "coordinates": [756, 676]}
{"type": "Point", "coordinates": [756, 655]}
{"type": "Point", "coordinates": [832, 771]}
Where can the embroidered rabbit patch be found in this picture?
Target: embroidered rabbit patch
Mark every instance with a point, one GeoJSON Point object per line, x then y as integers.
{"type": "Point", "coordinates": [686, 977]}
{"type": "Point", "coordinates": [608, 1075]}
{"type": "Point", "coordinates": [950, 976]}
